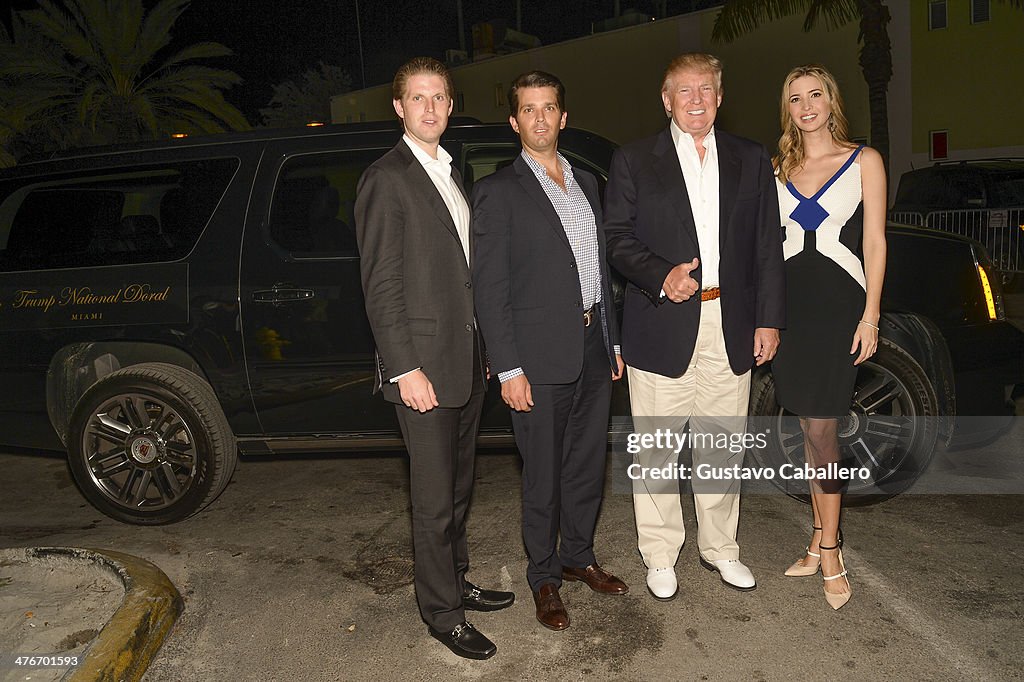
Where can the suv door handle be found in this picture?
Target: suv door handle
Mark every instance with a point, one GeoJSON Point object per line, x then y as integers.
{"type": "Point", "coordinates": [282, 293]}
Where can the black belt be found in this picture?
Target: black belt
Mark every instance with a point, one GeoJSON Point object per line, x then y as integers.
{"type": "Point", "coordinates": [589, 315]}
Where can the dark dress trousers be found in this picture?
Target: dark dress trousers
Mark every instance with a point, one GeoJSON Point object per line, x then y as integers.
{"type": "Point", "coordinates": [420, 305]}
{"type": "Point", "coordinates": [529, 305]}
{"type": "Point", "coordinates": [650, 229]}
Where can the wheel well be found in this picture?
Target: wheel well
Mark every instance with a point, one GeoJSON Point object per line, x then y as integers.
{"type": "Point", "coordinates": [923, 340]}
{"type": "Point", "coordinates": [76, 367]}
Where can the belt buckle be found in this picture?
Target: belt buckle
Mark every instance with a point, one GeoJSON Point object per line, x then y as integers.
{"type": "Point", "coordinates": [588, 317]}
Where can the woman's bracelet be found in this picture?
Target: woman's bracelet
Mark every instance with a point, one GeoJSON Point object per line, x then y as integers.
{"type": "Point", "coordinates": [873, 326]}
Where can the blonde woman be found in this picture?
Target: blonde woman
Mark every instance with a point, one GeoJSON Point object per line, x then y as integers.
{"type": "Point", "coordinates": [832, 199]}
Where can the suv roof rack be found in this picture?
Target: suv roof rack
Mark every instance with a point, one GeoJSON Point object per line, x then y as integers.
{"type": "Point", "coordinates": [255, 134]}
{"type": "Point", "coordinates": [964, 162]}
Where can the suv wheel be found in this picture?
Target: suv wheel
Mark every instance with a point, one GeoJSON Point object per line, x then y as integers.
{"type": "Point", "coordinates": [891, 429]}
{"type": "Point", "coordinates": [149, 444]}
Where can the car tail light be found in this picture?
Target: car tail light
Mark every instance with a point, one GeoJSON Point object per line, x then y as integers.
{"type": "Point", "coordinates": [993, 304]}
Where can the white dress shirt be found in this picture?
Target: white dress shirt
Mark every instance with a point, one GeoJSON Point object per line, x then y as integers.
{"type": "Point", "coordinates": [440, 172]}
{"type": "Point", "coordinates": [701, 180]}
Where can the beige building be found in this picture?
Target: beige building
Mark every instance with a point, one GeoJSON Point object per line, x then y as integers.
{"type": "Point", "coordinates": [613, 79]}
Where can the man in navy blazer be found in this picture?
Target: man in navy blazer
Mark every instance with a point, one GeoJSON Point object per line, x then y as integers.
{"type": "Point", "coordinates": [692, 221]}
{"type": "Point", "coordinates": [544, 302]}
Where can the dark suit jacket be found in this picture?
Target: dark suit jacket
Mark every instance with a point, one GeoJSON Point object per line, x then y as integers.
{"type": "Point", "coordinates": [416, 282]}
{"type": "Point", "coordinates": [528, 297]}
{"type": "Point", "coordinates": [650, 229]}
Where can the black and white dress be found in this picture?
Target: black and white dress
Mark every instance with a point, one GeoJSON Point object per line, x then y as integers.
{"type": "Point", "coordinates": [825, 294]}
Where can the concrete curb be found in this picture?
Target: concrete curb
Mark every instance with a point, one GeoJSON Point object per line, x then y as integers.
{"type": "Point", "coordinates": [129, 641]}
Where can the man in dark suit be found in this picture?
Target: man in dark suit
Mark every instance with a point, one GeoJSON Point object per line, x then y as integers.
{"type": "Point", "coordinates": [544, 302]}
{"type": "Point", "coordinates": [694, 209]}
{"type": "Point", "coordinates": [413, 228]}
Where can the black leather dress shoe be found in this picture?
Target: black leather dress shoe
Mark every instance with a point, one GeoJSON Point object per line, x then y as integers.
{"type": "Point", "coordinates": [466, 641]}
{"type": "Point", "coordinates": [478, 599]}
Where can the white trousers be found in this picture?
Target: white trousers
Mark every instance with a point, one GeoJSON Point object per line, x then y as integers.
{"type": "Point", "coordinates": [703, 395]}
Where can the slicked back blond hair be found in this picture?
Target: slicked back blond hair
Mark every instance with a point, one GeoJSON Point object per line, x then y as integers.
{"type": "Point", "coordinates": [417, 66]}
{"type": "Point", "coordinates": [694, 61]}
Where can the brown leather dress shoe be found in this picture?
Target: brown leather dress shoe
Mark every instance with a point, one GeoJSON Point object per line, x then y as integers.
{"type": "Point", "coordinates": [550, 610]}
{"type": "Point", "coordinates": [596, 578]}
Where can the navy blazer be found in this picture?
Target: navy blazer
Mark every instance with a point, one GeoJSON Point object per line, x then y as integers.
{"type": "Point", "coordinates": [650, 229]}
{"type": "Point", "coordinates": [528, 298]}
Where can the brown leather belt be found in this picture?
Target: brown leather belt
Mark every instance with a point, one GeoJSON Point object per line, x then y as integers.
{"type": "Point", "coordinates": [710, 294]}
{"type": "Point", "coordinates": [588, 316]}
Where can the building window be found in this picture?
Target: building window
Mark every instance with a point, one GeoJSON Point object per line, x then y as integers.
{"type": "Point", "coordinates": [936, 15]}
{"type": "Point", "coordinates": [981, 11]}
{"type": "Point", "coordinates": [460, 102]}
{"type": "Point", "coordinates": [499, 96]}
{"type": "Point", "coordinates": [938, 149]}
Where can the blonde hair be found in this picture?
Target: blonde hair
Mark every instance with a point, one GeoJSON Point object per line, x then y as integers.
{"type": "Point", "coordinates": [417, 66]}
{"type": "Point", "coordinates": [791, 147]}
{"type": "Point", "coordinates": [694, 61]}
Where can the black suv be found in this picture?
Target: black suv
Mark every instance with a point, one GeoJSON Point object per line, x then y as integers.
{"type": "Point", "coordinates": [982, 199]}
{"type": "Point", "coordinates": [167, 305]}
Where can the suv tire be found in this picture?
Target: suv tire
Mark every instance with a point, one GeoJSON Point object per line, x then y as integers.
{"type": "Point", "coordinates": [892, 428]}
{"type": "Point", "coordinates": [149, 444]}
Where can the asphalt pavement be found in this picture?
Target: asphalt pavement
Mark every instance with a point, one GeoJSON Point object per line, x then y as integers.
{"type": "Point", "coordinates": [303, 570]}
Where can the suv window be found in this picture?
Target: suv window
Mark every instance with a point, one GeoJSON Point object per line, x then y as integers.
{"type": "Point", "coordinates": [311, 214]}
{"type": "Point", "coordinates": [1007, 189]}
{"type": "Point", "coordinates": [482, 160]}
{"type": "Point", "coordinates": [151, 215]}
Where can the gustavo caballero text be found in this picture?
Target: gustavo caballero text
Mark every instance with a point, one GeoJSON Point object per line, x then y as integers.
{"type": "Point", "coordinates": [711, 472]}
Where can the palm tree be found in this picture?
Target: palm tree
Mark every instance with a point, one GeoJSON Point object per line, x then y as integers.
{"type": "Point", "coordinates": [99, 72]}
{"type": "Point", "coordinates": [742, 16]}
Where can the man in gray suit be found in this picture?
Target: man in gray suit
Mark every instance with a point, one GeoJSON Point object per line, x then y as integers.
{"type": "Point", "coordinates": [413, 228]}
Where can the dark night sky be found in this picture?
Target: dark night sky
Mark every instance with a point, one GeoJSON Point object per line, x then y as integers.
{"type": "Point", "coordinates": [275, 41]}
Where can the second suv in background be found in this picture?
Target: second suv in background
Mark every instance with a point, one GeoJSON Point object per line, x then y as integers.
{"type": "Point", "coordinates": [982, 199]}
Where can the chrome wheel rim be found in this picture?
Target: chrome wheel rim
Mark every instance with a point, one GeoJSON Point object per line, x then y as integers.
{"type": "Point", "coordinates": [878, 433]}
{"type": "Point", "coordinates": [140, 454]}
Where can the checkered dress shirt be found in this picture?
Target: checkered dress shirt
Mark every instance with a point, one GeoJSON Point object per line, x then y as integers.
{"type": "Point", "coordinates": [580, 225]}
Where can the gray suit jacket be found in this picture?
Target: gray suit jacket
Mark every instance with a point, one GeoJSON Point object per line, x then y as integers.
{"type": "Point", "coordinates": [418, 290]}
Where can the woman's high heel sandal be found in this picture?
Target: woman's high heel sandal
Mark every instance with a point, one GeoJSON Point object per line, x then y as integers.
{"type": "Point", "coordinates": [808, 564]}
{"type": "Point", "coordinates": [836, 599]}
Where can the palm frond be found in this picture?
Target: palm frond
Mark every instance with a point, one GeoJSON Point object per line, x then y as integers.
{"type": "Point", "coordinates": [155, 33]}
{"type": "Point", "coordinates": [197, 51]}
{"type": "Point", "coordinates": [52, 23]}
{"type": "Point", "coordinates": [739, 17]}
{"type": "Point", "coordinates": [836, 13]}
{"type": "Point", "coordinates": [186, 76]}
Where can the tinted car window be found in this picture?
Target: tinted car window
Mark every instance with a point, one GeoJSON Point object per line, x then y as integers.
{"type": "Point", "coordinates": [113, 218]}
{"type": "Point", "coordinates": [312, 209]}
{"type": "Point", "coordinates": [1007, 189]}
{"type": "Point", "coordinates": [481, 161]}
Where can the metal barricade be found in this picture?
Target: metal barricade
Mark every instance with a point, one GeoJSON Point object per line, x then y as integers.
{"type": "Point", "coordinates": [907, 218]}
{"type": "Point", "coordinates": [1001, 231]}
